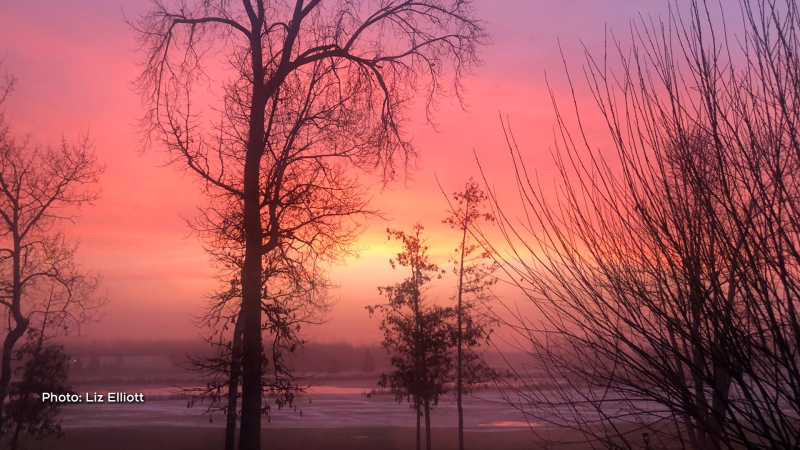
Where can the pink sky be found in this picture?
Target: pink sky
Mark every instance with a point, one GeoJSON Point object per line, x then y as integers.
{"type": "Point", "coordinates": [74, 62]}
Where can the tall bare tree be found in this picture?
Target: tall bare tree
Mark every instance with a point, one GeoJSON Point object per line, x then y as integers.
{"type": "Point", "coordinates": [41, 189]}
{"type": "Point", "coordinates": [474, 270]}
{"type": "Point", "coordinates": [664, 273]}
{"type": "Point", "coordinates": [363, 61]}
{"type": "Point", "coordinates": [315, 211]}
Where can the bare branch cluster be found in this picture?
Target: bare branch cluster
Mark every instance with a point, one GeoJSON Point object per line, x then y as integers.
{"type": "Point", "coordinates": [665, 276]}
{"type": "Point", "coordinates": [41, 189]}
{"type": "Point", "coordinates": [309, 91]}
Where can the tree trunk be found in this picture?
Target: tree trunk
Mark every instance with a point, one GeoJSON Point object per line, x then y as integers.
{"type": "Point", "coordinates": [460, 339]}
{"type": "Point", "coordinates": [250, 434]}
{"type": "Point", "coordinates": [418, 357]}
{"type": "Point", "coordinates": [5, 372]}
{"type": "Point", "coordinates": [15, 439]}
{"type": "Point", "coordinates": [427, 424]}
{"type": "Point", "coordinates": [460, 386]}
{"type": "Point", "coordinates": [233, 387]}
{"type": "Point", "coordinates": [419, 440]}
{"type": "Point", "coordinates": [251, 309]}
{"type": "Point", "coordinates": [13, 336]}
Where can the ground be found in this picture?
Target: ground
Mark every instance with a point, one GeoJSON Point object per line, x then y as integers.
{"type": "Point", "coordinates": [180, 438]}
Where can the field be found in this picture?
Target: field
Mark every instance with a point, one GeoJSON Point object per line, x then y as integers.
{"type": "Point", "coordinates": [180, 438]}
{"type": "Point", "coordinates": [331, 417]}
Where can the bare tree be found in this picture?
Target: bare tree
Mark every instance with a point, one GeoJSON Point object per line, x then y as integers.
{"type": "Point", "coordinates": [315, 211]}
{"type": "Point", "coordinates": [664, 274]}
{"type": "Point", "coordinates": [363, 63]}
{"type": "Point", "coordinates": [6, 88]}
{"type": "Point", "coordinates": [474, 269]}
{"type": "Point", "coordinates": [40, 189]}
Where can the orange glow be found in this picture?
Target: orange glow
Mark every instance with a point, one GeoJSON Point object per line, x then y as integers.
{"type": "Point", "coordinates": [74, 64]}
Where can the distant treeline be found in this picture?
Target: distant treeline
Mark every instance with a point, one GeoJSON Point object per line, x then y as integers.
{"type": "Point", "coordinates": [87, 348]}
{"type": "Point", "coordinates": [314, 357]}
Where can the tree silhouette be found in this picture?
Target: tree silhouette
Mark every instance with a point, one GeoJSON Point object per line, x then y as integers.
{"type": "Point", "coordinates": [664, 273]}
{"type": "Point", "coordinates": [295, 294]}
{"type": "Point", "coordinates": [39, 190]}
{"type": "Point", "coordinates": [362, 63]}
{"type": "Point", "coordinates": [315, 210]}
{"type": "Point", "coordinates": [417, 333]}
{"type": "Point", "coordinates": [474, 270]}
{"type": "Point", "coordinates": [45, 368]}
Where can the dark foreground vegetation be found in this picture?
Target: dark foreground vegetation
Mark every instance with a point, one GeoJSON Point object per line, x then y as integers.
{"type": "Point", "coordinates": [665, 270]}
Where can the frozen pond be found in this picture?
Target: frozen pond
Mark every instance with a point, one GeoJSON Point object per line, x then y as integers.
{"type": "Point", "coordinates": [322, 407]}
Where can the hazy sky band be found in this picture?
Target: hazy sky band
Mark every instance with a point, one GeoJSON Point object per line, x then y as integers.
{"type": "Point", "coordinates": [75, 60]}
